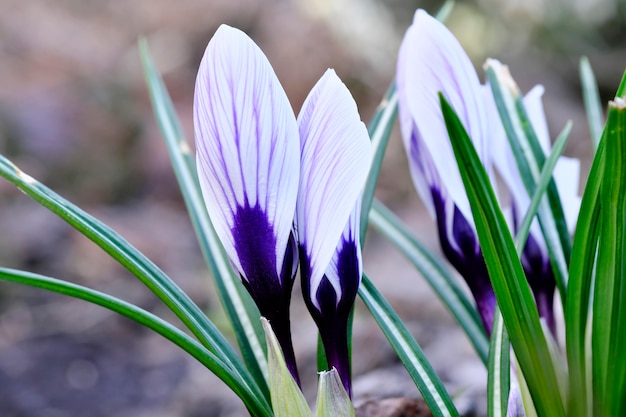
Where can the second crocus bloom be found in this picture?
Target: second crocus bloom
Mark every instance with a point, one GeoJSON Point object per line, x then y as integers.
{"type": "Point", "coordinates": [336, 156]}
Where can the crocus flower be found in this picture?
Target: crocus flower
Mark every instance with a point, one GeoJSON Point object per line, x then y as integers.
{"type": "Point", "coordinates": [535, 257]}
{"type": "Point", "coordinates": [248, 165]}
{"type": "Point", "coordinates": [255, 161]}
{"type": "Point", "coordinates": [430, 61]}
{"type": "Point", "coordinates": [336, 155]}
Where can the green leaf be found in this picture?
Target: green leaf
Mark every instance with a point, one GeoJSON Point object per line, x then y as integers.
{"type": "Point", "coordinates": [240, 309]}
{"type": "Point", "coordinates": [506, 273]}
{"type": "Point", "coordinates": [609, 302]}
{"type": "Point", "coordinates": [332, 398]}
{"type": "Point", "coordinates": [438, 275]}
{"type": "Point", "coordinates": [408, 351]}
{"type": "Point", "coordinates": [134, 261]}
{"type": "Point", "coordinates": [499, 358]}
{"type": "Point", "coordinates": [287, 399]}
{"type": "Point", "coordinates": [577, 308]}
{"type": "Point", "coordinates": [498, 369]}
{"type": "Point", "coordinates": [542, 186]}
{"type": "Point", "coordinates": [256, 405]}
{"type": "Point", "coordinates": [591, 98]}
{"type": "Point", "coordinates": [379, 131]}
{"type": "Point", "coordinates": [530, 160]}
{"type": "Point", "coordinates": [444, 11]}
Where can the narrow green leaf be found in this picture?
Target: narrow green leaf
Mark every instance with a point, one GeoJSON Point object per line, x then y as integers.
{"type": "Point", "coordinates": [134, 261]}
{"type": "Point", "coordinates": [444, 11]}
{"type": "Point", "coordinates": [408, 351]}
{"type": "Point", "coordinates": [506, 273]}
{"type": "Point", "coordinates": [438, 275]}
{"type": "Point", "coordinates": [256, 405]}
{"type": "Point", "coordinates": [581, 273]}
{"type": "Point", "coordinates": [287, 399]}
{"type": "Point", "coordinates": [499, 358]}
{"type": "Point", "coordinates": [591, 98]}
{"type": "Point", "coordinates": [530, 160]}
{"type": "Point", "coordinates": [542, 186]}
{"type": "Point", "coordinates": [379, 131]}
{"type": "Point", "coordinates": [239, 307]}
{"type": "Point", "coordinates": [332, 398]}
{"type": "Point", "coordinates": [498, 369]}
{"type": "Point", "coordinates": [609, 303]}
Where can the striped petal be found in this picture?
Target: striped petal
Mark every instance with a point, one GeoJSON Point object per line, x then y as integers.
{"type": "Point", "coordinates": [247, 153]}
{"type": "Point", "coordinates": [430, 61]}
{"type": "Point", "coordinates": [335, 159]}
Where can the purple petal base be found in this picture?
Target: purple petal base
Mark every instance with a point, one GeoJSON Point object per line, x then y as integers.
{"type": "Point", "coordinates": [466, 257]}
{"type": "Point", "coordinates": [255, 244]}
{"type": "Point", "coordinates": [332, 316]}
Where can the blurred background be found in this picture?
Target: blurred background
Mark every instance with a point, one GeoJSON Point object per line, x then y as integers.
{"type": "Point", "coordinates": [75, 114]}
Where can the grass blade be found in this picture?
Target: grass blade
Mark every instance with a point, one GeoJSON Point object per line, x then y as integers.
{"type": "Point", "coordinates": [591, 98]}
{"type": "Point", "coordinates": [379, 131]}
{"type": "Point", "coordinates": [542, 186]}
{"type": "Point", "coordinates": [408, 351]}
{"type": "Point", "coordinates": [134, 261]}
{"type": "Point", "coordinates": [581, 274]}
{"type": "Point", "coordinates": [256, 406]}
{"type": "Point", "coordinates": [506, 273]}
{"type": "Point", "coordinates": [498, 368]}
{"type": "Point", "coordinates": [609, 324]}
{"type": "Point", "coordinates": [239, 307]}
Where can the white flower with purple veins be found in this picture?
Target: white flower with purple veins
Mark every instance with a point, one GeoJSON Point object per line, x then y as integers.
{"type": "Point", "coordinates": [535, 257]}
{"type": "Point", "coordinates": [430, 61]}
{"type": "Point", "coordinates": [261, 170]}
{"type": "Point", "coordinates": [248, 165]}
{"type": "Point", "coordinates": [336, 156]}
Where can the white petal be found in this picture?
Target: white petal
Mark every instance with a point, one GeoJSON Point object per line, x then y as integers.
{"type": "Point", "coordinates": [246, 138]}
{"type": "Point", "coordinates": [567, 176]}
{"type": "Point", "coordinates": [432, 60]}
{"type": "Point", "coordinates": [335, 160]}
{"type": "Point", "coordinates": [537, 116]}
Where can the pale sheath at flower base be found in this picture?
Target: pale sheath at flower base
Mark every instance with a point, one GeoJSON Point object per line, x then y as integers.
{"type": "Point", "coordinates": [430, 61]}
{"type": "Point", "coordinates": [248, 165]}
{"type": "Point", "coordinates": [535, 257]}
{"type": "Point", "coordinates": [336, 155]}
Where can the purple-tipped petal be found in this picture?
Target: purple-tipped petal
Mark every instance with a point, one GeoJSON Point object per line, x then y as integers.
{"type": "Point", "coordinates": [248, 155]}
{"type": "Point", "coordinates": [430, 61]}
{"type": "Point", "coordinates": [335, 160]}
